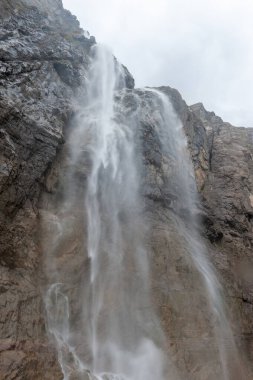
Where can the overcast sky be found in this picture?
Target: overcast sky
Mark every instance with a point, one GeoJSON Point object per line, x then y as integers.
{"type": "Point", "coordinates": [204, 48]}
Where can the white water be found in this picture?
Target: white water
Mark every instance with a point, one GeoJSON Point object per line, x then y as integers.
{"type": "Point", "coordinates": [119, 326]}
{"type": "Point", "coordinates": [117, 336]}
{"type": "Point", "coordinates": [119, 268]}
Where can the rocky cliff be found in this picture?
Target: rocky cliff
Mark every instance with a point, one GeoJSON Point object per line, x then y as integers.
{"type": "Point", "coordinates": [44, 57]}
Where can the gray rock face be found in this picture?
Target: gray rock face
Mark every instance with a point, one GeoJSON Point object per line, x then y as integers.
{"type": "Point", "coordinates": [43, 58]}
{"type": "Point", "coordinates": [222, 159]}
{"type": "Point", "coordinates": [227, 199]}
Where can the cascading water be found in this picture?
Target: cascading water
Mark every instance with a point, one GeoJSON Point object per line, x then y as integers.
{"type": "Point", "coordinates": [120, 331]}
{"type": "Point", "coordinates": [98, 303]}
{"type": "Point", "coordinates": [119, 267]}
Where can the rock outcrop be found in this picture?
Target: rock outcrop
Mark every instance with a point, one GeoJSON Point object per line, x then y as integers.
{"type": "Point", "coordinates": [44, 56]}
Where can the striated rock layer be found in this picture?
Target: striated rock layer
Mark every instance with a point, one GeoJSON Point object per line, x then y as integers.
{"type": "Point", "coordinates": [44, 57]}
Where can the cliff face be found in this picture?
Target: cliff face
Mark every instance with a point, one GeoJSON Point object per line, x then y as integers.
{"type": "Point", "coordinates": [44, 57]}
{"type": "Point", "coordinates": [222, 160]}
{"type": "Point", "coordinates": [227, 199]}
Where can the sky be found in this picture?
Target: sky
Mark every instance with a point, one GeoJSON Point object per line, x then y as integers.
{"type": "Point", "coordinates": [203, 48]}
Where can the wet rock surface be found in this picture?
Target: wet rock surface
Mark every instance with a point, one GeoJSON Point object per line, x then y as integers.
{"type": "Point", "coordinates": [221, 209]}
{"type": "Point", "coordinates": [43, 58]}
{"type": "Point", "coordinates": [43, 55]}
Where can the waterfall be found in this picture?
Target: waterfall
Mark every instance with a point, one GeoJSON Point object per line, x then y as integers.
{"type": "Point", "coordinates": [119, 281]}
{"type": "Point", "coordinates": [99, 299]}
{"type": "Point", "coordinates": [120, 331]}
